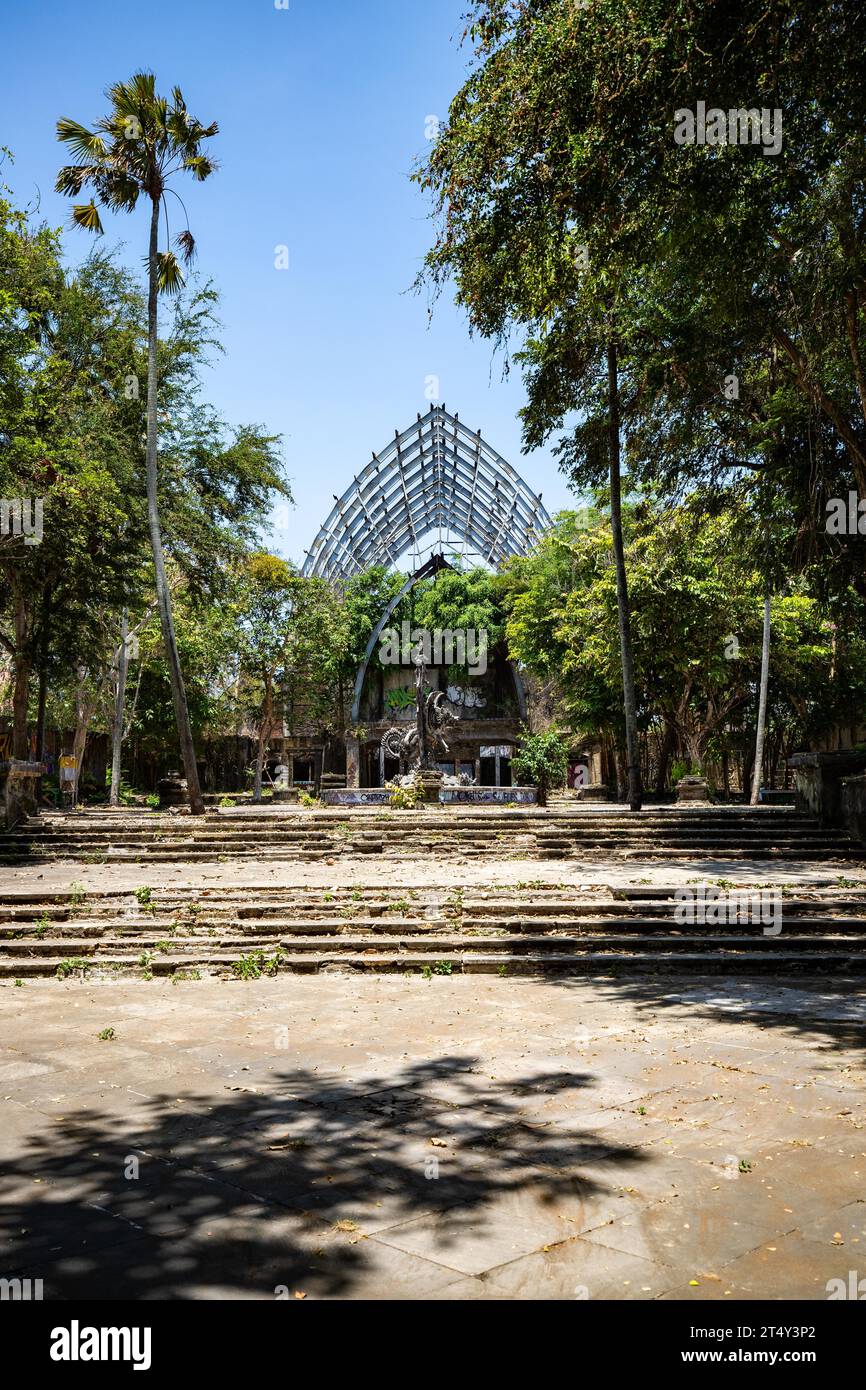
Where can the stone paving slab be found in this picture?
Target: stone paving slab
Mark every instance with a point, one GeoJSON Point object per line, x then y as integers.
{"type": "Point", "coordinates": [463, 1137]}
{"type": "Point", "coordinates": [475, 875]}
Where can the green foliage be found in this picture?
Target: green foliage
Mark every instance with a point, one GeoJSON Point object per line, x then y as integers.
{"type": "Point", "coordinates": [405, 798]}
{"type": "Point", "coordinates": [459, 599]}
{"type": "Point", "coordinates": [541, 761]}
{"type": "Point", "coordinates": [256, 964]}
{"type": "Point", "coordinates": [696, 596]}
{"type": "Point", "coordinates": [73, 965]}
{"type": "Point", "coordinates": [568, 212]}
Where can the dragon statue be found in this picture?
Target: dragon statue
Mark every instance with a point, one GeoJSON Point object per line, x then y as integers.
{"type": "Point", "coordinates": [424, 745]}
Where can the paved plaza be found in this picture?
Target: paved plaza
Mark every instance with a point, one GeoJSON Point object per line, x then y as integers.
{"type": "Point", "coordinates": [380, 1137]}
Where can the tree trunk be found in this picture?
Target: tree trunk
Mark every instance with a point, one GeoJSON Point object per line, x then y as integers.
{"type": "Point", "coordinates": [667, 748]}
{"type": "Point", "coordinates": [119, 711]}
{"type": "Point", "coordinates": [178, 692]}
{"type": "Point", "coordinates": [762, 707]}
{"type": "Point", "coordinates": [84, 707]}
{"type": "Point", "coordinates": [21, 688]}
{"type": "Point", "coordinates": [620, 762]}
{"type": "Point", "coordinates": [44, 645]}
{"type": "Point", "coordinates": [264, 734]}
{"type": "Point", "coordinates": [635, 793]}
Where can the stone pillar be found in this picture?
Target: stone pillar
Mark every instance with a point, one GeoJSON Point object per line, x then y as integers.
{"type": "Point", "coordinates": [353, 762]}
{"type": "Point", "coordinates": [381, 765]}
{"type": "Point", "coordinates": [18, 791]}
{"type": "Point", "coordinates": [693, 789]}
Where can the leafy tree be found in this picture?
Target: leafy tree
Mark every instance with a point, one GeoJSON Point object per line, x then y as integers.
{"type": "Point", "coordinates": [697, 609]}
{"type": "Point", "coordinates": [458, 599]}
{"type": "Point", "coordinates": [528, 253]}
{"type": "Point", "coordinates": [265, 607]}
{"type": "Point", "coordinates": [65, 445]}
{"type": "Point", "coordinates": [132, 153]}
{"type": "Point", "coordinates": [569, 211]}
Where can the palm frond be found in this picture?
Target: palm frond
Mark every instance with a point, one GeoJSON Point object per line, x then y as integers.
{"type": "Point", "coordinates": [86, 215]}
{"type": "Point", "coordinates": [169, 274]}
{"type": "Point", "coordinates": [72, 178]}
{"type": "Point", "coordinates": [143, 84]}
{"type": "Point", "coordinates": [186, 242]}
{"type": "Point", "coordinates": [119, 189]}
{"type": "Point", "coordinates": [86, 144]}
{"type": "Point", "coordinates": [200, 166]}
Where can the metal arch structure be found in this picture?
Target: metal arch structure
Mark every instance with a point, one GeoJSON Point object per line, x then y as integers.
{"type": "Point", "coordinates": [437, 479]}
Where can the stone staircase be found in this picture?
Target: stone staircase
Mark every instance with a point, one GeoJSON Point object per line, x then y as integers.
{"type": "Point", "coordinates": [579, 832]}
{"type": "Point", "coordinates": [188, 933]}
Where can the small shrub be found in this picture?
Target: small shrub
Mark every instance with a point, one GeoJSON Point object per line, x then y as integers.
{"type": "Point", "coordinates": [405, 798]}
{"type": "Point", "coordinates": [542, 761]}
{"type": "Point", "coordinates": [73, 965]}
{"type": "Point", "coordinates": [107, 1035]}
{"type": "Point", "coordinates": [256, 964]}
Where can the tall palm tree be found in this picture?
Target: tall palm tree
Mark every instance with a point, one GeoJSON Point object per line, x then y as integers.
{"type": "Point", "coordinates": [131, 154]}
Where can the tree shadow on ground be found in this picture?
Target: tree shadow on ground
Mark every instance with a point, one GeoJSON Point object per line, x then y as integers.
{"type": "Point", "coordinates": [829, 1014]}
{"type": "Point", "coordinates": [282, 1190]}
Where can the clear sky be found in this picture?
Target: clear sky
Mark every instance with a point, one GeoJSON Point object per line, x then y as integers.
{"type": "Point", "coordinates": [323, 109]}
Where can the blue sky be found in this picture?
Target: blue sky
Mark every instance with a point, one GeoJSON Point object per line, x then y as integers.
{"type": "Point", "coordinates": [322, 110]}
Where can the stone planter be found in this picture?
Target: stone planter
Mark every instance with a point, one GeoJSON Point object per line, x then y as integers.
{"type": "Point", "coordinates": [693, 789]}
{"type": "Point", "coordinates": [593, 791]}
{"type": "Point", "coordinates": [430, 782]}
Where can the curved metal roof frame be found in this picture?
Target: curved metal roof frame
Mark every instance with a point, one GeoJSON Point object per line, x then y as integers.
{"type": "Point", "coordinates": [435, 476]}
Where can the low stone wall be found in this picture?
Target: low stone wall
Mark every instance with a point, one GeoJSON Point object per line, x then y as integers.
{"type": "Point", "coordinates": [469, 796]}
{"type": "Point", "coordinates": [853, 806]}
{"type": "Point", "coordinates": [484, 796]}
{"type": "Point", "coordinates": [18, 791]}
{"type": "Point", "coordinates": [819, 782]}
{"type": "Point", "coordinates": [356, 796]}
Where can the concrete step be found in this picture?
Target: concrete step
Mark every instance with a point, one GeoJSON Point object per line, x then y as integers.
{"type": "Point", "coordinates": [637, 960]}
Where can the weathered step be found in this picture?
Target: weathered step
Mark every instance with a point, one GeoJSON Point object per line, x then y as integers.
{"type": "Point", "coordinates": [803, 964]}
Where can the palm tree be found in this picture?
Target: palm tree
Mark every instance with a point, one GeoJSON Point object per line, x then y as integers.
{"type": "Point", "coordinates": [131, 154]}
